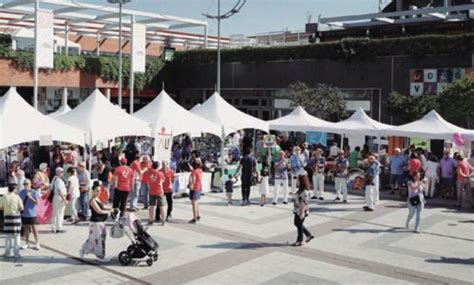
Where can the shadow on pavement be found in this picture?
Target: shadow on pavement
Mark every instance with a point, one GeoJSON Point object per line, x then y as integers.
{"type": "Point", "coordinates": [395, 230]}
{"type": "Point", "coordinates": [452, 260]}
{"type": "Point", "coordinates": [242, 245]}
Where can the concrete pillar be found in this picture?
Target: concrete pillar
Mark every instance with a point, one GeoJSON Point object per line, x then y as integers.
{"type": "Point", "coordinates": [107, 93]}
{"type": "Point", "coordinates": [64, 97]}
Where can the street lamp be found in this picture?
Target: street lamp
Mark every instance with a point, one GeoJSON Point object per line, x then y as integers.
{"type": "Point", "coordinates": [219, 17]}
{"type": "Point", "coordinates": [120, 2]}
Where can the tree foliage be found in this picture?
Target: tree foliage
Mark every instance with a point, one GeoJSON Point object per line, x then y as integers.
{"type": "Point", "coordinates": [457, 103]}
{"type": "Point", "coordinates": [323, 101]}
{"type": "Point", "coordinates": [411, 108]}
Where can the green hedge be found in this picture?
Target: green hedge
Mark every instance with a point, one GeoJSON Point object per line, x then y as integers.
{"type": "Point", "coordinates": [105, 67]}
{"type": "Point", "coordinates": [349, 48]}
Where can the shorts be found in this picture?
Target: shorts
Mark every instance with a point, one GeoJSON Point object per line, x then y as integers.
{"type": "Point", "coordinates": [194, 195]}
{"type": "Point", "coordinates": [29, 220]}
{"type": "Point", "coordinates": [156, 200]}
{"type": "Point", "coordinates": [396, 179]}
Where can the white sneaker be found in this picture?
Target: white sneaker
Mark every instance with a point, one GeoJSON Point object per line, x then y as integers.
{"type": "Point", "coordinates": [37, 246]}
{"type": "Point", "coordinates": [25, 246]}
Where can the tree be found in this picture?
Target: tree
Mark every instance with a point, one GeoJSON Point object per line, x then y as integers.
{"type": "Point", "coordinates": [411, 108]}
{"type": "Point", "coordinates": [457, 103]}
{"type": "Point", "coordinates": [324, 101]}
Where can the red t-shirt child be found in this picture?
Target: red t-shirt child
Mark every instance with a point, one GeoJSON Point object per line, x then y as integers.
{"type": "Point", "coordinates": [196, 175]}
{"type": "Point", "coordinates": [124, 176]}
{"type": "Point", "coordinates": [169, 177]}
{"type": "Point", "coordinates": [155, 182]}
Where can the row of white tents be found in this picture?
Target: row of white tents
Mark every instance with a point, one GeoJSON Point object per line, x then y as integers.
{"type": "Point", "coordinates": [96, 119]}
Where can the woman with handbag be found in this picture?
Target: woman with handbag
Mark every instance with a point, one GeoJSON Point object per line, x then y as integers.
{"type": "Point", "coordinates": [301, 209]}
{"type": "Point", "coordinates": [95, 244]}
{"type": "Point", "coordinates": [416, 200]}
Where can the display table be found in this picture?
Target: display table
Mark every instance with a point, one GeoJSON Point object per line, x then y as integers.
{"type": "Point", "coordinates": [181, 182]}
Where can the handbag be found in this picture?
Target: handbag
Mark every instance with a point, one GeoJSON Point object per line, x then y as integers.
{"type": "Point", "coordinates": [414, 201]}
{"type": "Point", "coordinates": [68, 197]}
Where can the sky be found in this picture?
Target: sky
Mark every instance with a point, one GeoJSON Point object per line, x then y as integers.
{"type": "Point", "coordinates": [257, 16]}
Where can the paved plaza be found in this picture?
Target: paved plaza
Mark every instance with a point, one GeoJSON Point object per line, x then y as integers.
{"type": "Point", "coordinates": [251, 245]}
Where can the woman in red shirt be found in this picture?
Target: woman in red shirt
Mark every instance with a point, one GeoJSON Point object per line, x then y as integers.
{"type": "Point", "coordinates": [155, 179]}
{"type": "Point", "coordinates": [168, 188]}
{"type": "Point", "coordinates": [195, 187]}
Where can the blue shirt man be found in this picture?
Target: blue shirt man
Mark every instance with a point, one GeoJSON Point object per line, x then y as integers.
{"type": "Point", "coordinates": [29, 206]}
{"type": "Point", "coordinates": [397, 162]}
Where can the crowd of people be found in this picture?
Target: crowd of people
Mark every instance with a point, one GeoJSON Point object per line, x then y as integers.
{"type": "Point", "coordinates": [126, 176]}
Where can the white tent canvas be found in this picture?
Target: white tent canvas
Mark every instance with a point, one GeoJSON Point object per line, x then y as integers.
{"type": "Point", "coordinates": [217, 110]}
{"type": "Point", "coordinates": [102, 120]}
{"type": "Point", "coordinates": [20, 122]}
{"type": "Point", "coordinates": [60, 111]}
{"type": "Point", "coordinates": [164, 112]}
{"type": "Point", "coordinates": [360, 123]}
{"type": "Point", "coordinates": [300, 121]}
{"type": "Point", "coordinates": [431, 126]}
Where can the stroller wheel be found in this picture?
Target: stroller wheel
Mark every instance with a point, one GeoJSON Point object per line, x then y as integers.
{"type": "Point", "coordinates": [149, 262]}
{"type": "Point", "coordinates": [125, 258]}
{"type": "Point", "coordinates": [155, 257]}
{"type": "Point", "coordinates": [130, 248]}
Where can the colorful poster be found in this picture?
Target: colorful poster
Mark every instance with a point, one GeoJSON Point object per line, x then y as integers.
{"type": "Point", "coordinates": [416, 89]}
{"type": "Point", "coordinates": [430, 75]}
{"type": "Point", "coordinates": [45, 39]}
{"type": "Point", "coordinates": [421, 142]}
{"type": "Point", "coordinates": [317, 138]}
{"type": "Point", "coordinates": [430, 88]}
{"type": "Point", "coordinates": [138, 47]}
{"type": "Point", "coordinates": [416, 75]}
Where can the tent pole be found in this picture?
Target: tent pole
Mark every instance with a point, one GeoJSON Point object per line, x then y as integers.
{"type": "Point", "coordinates": [342, 141]}
{"type": "Point", "coordinates": [222, 156]}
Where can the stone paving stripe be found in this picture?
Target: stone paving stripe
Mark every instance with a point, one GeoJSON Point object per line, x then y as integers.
{"type": "Point", "coordinates": [98, 266]}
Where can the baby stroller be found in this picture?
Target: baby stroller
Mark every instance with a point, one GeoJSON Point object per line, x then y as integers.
{"type": "Point", "coordinates": [143, 245]}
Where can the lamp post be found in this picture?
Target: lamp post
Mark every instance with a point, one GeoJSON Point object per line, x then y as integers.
{"type": "Point", "coordinates": [120, 2]}
{"type": "Point", "coordinates": [219, 18]}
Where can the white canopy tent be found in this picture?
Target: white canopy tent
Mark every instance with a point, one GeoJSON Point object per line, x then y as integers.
{"type": "Point", "coordinates": [59, 112]}
{"type": "Point", "coordinates": [101, 120]}
{"type": "Point", "coordinates": [431, 126]}
{"type": "Point", "coordinates": [20, 122]}
{"type": "Point", "coordinates": [164, 112]}
{"type": "Point", "coordinates": [197, 106]}
{"type": "Point", "coordinates": [300, 121]}
{"type": "Point", "coordinates": [217, 110]}
{"type": "Point", "coordinates": [361, 123]}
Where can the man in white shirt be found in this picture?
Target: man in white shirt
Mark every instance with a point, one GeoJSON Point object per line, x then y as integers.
{"type": "Point", "coordinates": [333, 150]}
{"type": "Point", "coordinates": [59, 201]}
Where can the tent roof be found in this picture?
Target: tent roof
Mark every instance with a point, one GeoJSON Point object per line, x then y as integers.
{"type": "Point", "coordinates": [197, 106]}
{"type": "Point", "coordinates": [60, 111]}
{"type": "Point", "coordinates": [432, 126]}
{"type": "Point", "coordinates": [217, 110]}
{"type": "Point", "coordinates": [102, 120]}
{"type": "Point", "coordinates": [163, 111]}
{"type": "Point", "coordinates": [361, 123]}
{"type": "Point", "coordinates": [20, 122]}
{"type": "Point", "coordinates": [300, 121]}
